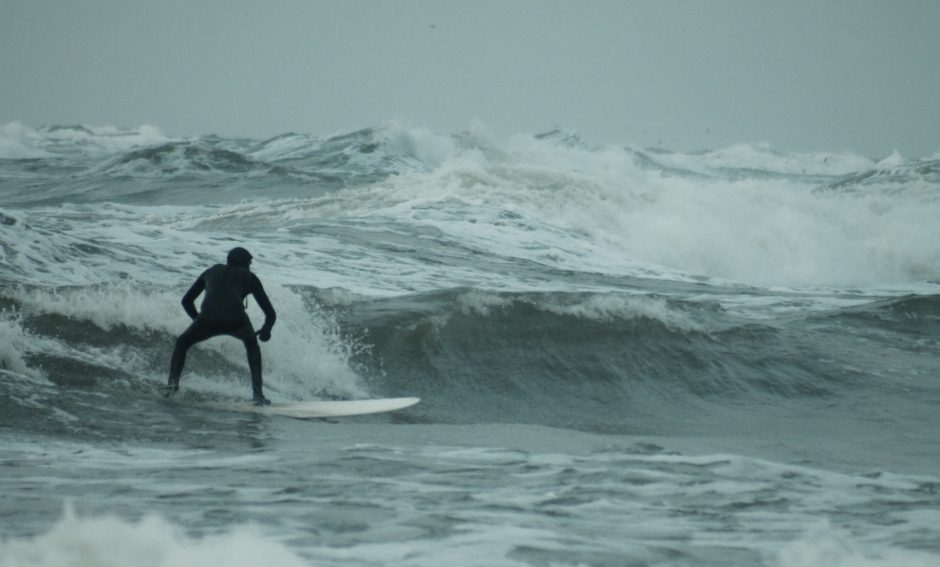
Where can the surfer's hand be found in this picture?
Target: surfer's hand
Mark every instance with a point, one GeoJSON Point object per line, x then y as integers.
{"type": "Point", "coordinates": [264, 335]}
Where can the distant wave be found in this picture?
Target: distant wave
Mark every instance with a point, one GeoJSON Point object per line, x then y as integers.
{"type": "Point", "coordinates": [18, 142]}
{"type": "Point", "coordinates": [747, 213]}
{"type": "Point", "coordinates": [177, 158]}
{"type": "Point", "coordinates": [393, 145]}
{"type": "Point", "coordinates": [915, 315]}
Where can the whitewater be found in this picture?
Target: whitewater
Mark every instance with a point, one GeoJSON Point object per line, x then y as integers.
{"type": "Point", "coordinates": [625, 355]}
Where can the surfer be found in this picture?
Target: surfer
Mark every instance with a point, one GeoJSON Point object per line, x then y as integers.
{"type": "Point", "coordinates": [223, 313]}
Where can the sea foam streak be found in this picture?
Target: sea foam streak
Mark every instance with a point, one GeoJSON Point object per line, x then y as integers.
{"type": "Point", "coordinates": [109, 541]}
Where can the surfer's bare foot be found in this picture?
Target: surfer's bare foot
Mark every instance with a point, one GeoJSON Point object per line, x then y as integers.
{"type": "Point", "coordinates": [260, 400]}
{"type": "Point", "coordinates": [170, 389]}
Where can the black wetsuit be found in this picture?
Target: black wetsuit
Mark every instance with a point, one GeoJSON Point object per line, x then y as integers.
{"type": "Point", "coordinates": [223, 313]}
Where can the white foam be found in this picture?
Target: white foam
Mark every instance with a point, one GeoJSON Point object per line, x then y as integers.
{"type": "Point", "coordinates": [597, 307]}
{"type": "Point", "coordinates": [288, 146]}
{"type": "Point", "coordinates": [595, 210]}
{"type": "Point", "coordinates": [892, 161]}
{"type": "Point", "coordinates": [477, 302]}
{"type": "Point", "coordinates": [110, 541]}
{"type": "Point", "coordinates": [429, 148]}
{"type": "Point", "coordinates": [121, 304]}
{"type": "Point", "coordinates": [763, 158]}
{"type": "Point", "coordinates": [306, 356]}
{"type": "Point", "coordinates": [14, 344]}
{"type": "Point", "coordinates": [99, 140]}
{"type": "Point", "coordinates": [19, 142]}
{"type": "Point", "coordinates": [611, 307]}
{"type": "Point", "coordinates": [541, 201]}
{"type": "Point", "coordinates": [827, 547]}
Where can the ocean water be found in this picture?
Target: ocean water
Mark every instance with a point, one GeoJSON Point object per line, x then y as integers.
{"type": "Point", "coordinates": [626, 356]}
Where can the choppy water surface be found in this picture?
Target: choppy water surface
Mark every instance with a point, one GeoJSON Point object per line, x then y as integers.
{"type": "Point", "coordinates": [625, 355]}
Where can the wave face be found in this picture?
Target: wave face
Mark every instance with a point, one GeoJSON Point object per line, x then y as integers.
{"type": "Point", "coordinates": [535, 279]}
{"type": "Point", "coordinates": [614, 362]}
{"type": "Point", "coordinates": [632, 363]}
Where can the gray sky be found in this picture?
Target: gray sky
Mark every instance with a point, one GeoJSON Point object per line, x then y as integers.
{"type": "Point", "coordinates": [821, 75]}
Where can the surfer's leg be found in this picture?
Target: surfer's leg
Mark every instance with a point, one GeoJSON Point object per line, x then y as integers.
{"type": "Point", "coordinates": [254, 363]}
{"type": "Point", "coordinates": [195, 333]}
{"type": "Point", "coordinates": [247, 334]}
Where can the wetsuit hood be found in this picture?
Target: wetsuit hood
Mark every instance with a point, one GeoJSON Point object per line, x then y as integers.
{"type": "Point", "coordinates": [238, 256]}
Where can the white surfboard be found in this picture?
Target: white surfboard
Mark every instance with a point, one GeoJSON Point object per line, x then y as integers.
{"type": "Point", "coordinates": [322, 408]}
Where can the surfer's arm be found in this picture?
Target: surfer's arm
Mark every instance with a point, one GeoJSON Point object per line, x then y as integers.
{"type": "Point", "coordinates": [189, 299]}
{"type": "Point", "coordinates": [264, 303]}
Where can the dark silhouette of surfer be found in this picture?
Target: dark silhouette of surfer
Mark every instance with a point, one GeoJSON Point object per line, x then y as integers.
{"type": "Point", "coordinates": [223, 313]}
